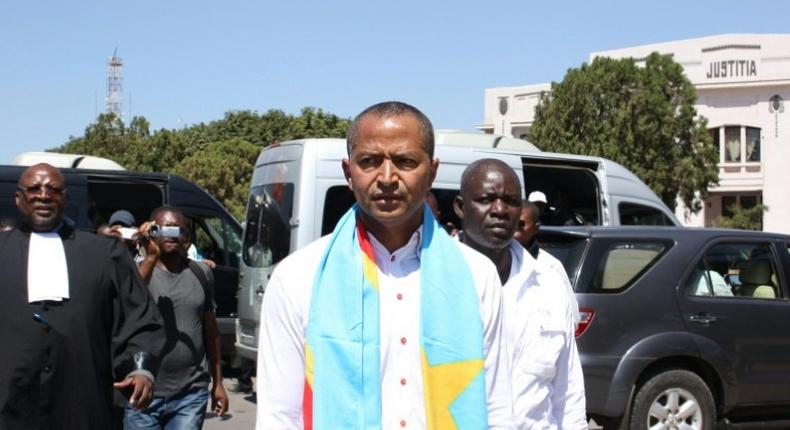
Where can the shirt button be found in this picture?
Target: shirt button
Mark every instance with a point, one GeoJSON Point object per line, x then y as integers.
{"type": "Point", "coordinates": [403, 341]}
{"type": "Point", "coordinates": [403, 381]}
{"type": "Point", "coordinates": [403, 423]}
{"type": "Point", "coordinates": [399, 296]}
{"type": "Point", "coordinates": [47, 368]}
{"type": "Point", "coordinates": [392, 258]}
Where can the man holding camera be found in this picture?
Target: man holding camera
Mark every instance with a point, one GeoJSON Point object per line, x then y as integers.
{"type": "Point", "coordinates": [184, 293]}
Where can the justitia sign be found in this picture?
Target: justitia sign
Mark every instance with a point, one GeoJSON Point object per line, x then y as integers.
{"type": "Point", "coordinates": [732, 69]}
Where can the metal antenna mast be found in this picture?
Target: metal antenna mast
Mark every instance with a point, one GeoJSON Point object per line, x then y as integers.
{"type": "Point", "coordinates": [114, 85]}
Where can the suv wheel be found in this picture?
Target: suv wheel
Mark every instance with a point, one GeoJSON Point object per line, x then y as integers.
{"type": "Point", "coordinates": [676, 399]}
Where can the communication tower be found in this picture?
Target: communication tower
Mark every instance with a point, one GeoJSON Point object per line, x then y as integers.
{"type": "Point", "coordinates": [114, 85]}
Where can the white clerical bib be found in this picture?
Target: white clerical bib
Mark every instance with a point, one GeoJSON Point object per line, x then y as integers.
{"type": "Point", "coordinates": [47, 274]}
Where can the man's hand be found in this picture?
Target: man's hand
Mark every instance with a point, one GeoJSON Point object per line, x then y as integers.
{"type": "Point", "coordinates": [142, 390]}
{"type": "Point", "coordinates": [219, 400]}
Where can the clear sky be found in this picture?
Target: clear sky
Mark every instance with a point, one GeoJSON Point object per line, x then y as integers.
{"type": "Point", "coordinates": [190, 61]}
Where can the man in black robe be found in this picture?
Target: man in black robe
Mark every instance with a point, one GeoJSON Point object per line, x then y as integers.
{"type": "Point", "coordinates": [71, 317]}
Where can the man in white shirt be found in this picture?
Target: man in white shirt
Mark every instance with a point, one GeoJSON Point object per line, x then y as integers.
{"type": "Point", "coordinates": [548, 387]}
{"type": "Point", "coordinates": [390, 169]}
{"type": "Point", "coordinates": [528, 226]}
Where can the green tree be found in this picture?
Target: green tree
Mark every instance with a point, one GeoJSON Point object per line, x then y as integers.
{"type": "Point", "coordinates": [218, 156]}
{"type": "Point", "coordinates": [640, 117]}
{"type": "Point", "coordinates": [744, 219]}
{"type": "Point", "coordinates": [224, 169]}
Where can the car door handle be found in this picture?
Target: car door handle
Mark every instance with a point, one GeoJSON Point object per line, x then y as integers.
{"type": "Point", "coordinates": [702, 319]}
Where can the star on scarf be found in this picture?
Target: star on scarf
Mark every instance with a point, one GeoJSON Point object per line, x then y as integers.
{"type": "Point", "coordinates": [443, 384]}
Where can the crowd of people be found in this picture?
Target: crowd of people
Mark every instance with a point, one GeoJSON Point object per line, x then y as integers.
{"type": "Point", "coordinates": [389, 322]}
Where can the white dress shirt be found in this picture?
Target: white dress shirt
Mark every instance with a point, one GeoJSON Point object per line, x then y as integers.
{"type": "Point", "coordinates": [47, 271]}
{"type": "Point", "coordinates": [548, 386]}
{"type": "Point", "coordinates": [284, 314]}
{"type": "Point", "coordinates": [549, 262]}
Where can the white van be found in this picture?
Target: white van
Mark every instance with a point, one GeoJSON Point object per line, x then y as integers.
{"type": "Point", "coordinates": [299, 193]}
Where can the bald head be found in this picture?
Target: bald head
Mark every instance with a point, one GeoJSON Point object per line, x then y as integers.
{"type": "Point", "coordinates": [478, 169]}
{"type": "Point", "coordinates": [489, 205]}
{"type": "Point", "coordinates": [41, 197]}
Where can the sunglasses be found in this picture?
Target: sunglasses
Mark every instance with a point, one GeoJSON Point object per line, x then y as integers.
{"type": "Point", "coordinates": [36, 190]}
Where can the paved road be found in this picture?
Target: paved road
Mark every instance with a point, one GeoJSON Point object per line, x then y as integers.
{"type": "Point", "coordinates": [240, 416]}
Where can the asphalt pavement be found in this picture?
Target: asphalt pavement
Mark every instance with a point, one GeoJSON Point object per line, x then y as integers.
{"type": "Point", "coordinates": [241, 414]}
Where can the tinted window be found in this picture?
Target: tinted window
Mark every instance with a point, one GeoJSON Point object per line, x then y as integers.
{"type": "Point", "coordinates": [736, 270]}
{"type": "Point", "coordinates": [619, 263]}
{"type": "Point", "coordinates": [566, 248]}
{"type": "Point", "coordinates": [8, 212]}
{"type": "Point", "coordinates": [572, 194]}
{"type": "Point", "coordinates": [337, 201]}
{"type": "Point", "coordinates": [267, 235]}
{"type": "Point", "coordinates": [635, 214]}
{"type": "Point", "coordinates": [215, 239]}
{"type": "Point", "coordinates": [106, 195]}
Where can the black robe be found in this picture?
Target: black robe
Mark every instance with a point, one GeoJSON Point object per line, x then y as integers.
{"type": "Point", "coordinates": [58, 359]}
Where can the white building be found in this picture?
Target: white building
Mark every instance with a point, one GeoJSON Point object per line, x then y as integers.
{"type": "Point", "coordinates": [742, 82]}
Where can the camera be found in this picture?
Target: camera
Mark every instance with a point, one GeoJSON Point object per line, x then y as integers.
{"type": "Point", "coordinates": [127, 233]}
{"type": "Point", "coordinates": [164, 231]}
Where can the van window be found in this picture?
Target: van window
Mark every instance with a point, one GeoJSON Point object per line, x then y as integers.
{"type": "Point", "coordinates": [636, 214]}
{"type": "Point", "coordinates": [267, 235]}
{"type": "Point", "coordinates": [339, 199]}
{"type": "Point", "coordinates": [9, 215]}
{"type": "Point", "coordinates": [106, 195]}
{"type": "Point", "coordinates": [736, 270]}
{"type": "Point", "coordinates": [215, 239]}
{"type": "Point", "coordinates": [620, 263]}
{"type": "Point", "coordinates": [572, 193]}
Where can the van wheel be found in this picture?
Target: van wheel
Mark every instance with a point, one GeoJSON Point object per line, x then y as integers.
{"type": "Point", "coordinates": [672, 400]}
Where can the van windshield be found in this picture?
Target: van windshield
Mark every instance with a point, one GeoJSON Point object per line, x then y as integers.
{"type": "Point", "coordinates": [267, 234]}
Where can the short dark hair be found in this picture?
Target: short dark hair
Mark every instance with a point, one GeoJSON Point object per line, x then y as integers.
{"type": "Point", "coordinates": [178, 212]}
{"type": "Point", "coordinates": [167, 208]}
{"type": "Point", "coordinates": [390, 109]}
{"type": "Point", "coordinates": [526, 204]}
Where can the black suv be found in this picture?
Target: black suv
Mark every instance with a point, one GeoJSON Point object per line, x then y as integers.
{"type": "Point", "coordinates": [681, 328]}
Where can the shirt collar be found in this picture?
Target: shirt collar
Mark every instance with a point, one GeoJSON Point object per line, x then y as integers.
{"type": "Point", "coordinates": [522, 262]}
{"type": "Point", "coordinates": [410, 249]}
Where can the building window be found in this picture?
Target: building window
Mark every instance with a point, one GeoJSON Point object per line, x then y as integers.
{"type": "Point", "coordinates": [714, 133]}
{"type": "Point", "coordinates": [728, 204]}
{"type": "Point", "coordinates": [740, 143]}
{"type": "Point", "coordinates": [732, 144]}
{"type": "Point", "coordinates": [752, 144]}
{"type": "Point", "coordinates": [748, 202]}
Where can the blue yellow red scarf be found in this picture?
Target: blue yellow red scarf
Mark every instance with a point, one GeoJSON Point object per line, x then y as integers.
{"type": "Point", "coordinates": [342, 355]}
